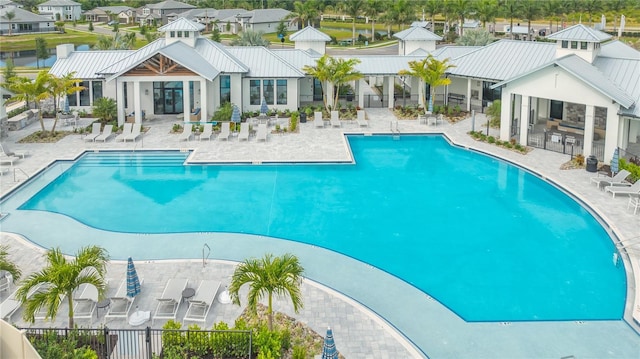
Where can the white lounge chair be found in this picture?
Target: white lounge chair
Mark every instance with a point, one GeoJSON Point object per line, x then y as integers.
{"type": "Point", "coordinates": [126, 131]}
{"type": "Point", "coordinates": [136, 131]}
{"type": "Point", "coordinates": [120, 303]}
{"type": "Point", "coordinates": [262, 132]}
{"type": "Point", "coordinates": [9, 152]}
{"type": "Point", "coordinates": [201, 302]}
{"type": "Point", "coordinates": [207, 132]}
{"type": "Point", "coordinates": [187, 132]}
{"type": "Point", "coordinates": [95, 132]}
{"type": "Point", "coordinates": [335, 119]}
{"type": "Point", "coordinates": [5, 280]}
{"type": "Point", "coordinates": [86, 302]}
{"type": "Point", "coordinates": [11, 304]}
{"type": "Point", "coordinates": [225, 131]}
{"type": "Point", "coordinates": [107, 131]}
{"type": "Point", "coordinates": [318, 121]}
{"type": "Point", "coordinates": [42, 314]}
{"type": "Point", "coordinates": [8, 160]}
{"type": "Point", "coordinates": [244, 132]}
{"type": "Point", "coordinates": [633, 189]}
{"type": "Point", "coordinates": [616, 180]}
{"type": "Point", "coordinates": [170, 300]}
{"type": "Point", "coordinates": [361, 119]}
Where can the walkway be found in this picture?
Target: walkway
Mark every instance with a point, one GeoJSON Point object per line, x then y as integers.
{"type": "Point", "coordinates": [359, 333]}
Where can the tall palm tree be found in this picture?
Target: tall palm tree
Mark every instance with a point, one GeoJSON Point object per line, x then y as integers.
{"type": "Point", "coordinates": [487, 10]}
{"type": "Point", "coordinates": [431, 71]}
{"type": "Point", "coordinates": [404, 12]}
{"type": "Point", "coordinates": [461, 8]}
{"type": "Point", "coordinates": [9, 15]}
{"type": "Point", "coordinates": [433, 7]}
{"type": "Point", "coordinates": [615, 6]}
{"type": "Point", "coordinates": [372, 9]}
{"type": "Point", "coordinates": [7, 265]}
{"type": "Point", "coordinates": [60, 278]}
{"type": "Point", "coordinates": [26, 89]}
{"type": "Point", "coordinates": [553, 9]}
{"type": "Point", "coordinates": [280, 275]}
{"type": "Point", "coordinates": [342, 72]}
{"type": "Point", "coordinates": [322, 72]}
{"type": "Point", "coordinates": [353, 8]}
{"type": "Point", "coordinates": [59, 88]}
{"type": "Point", "coordinates": [591, 7]}
{"type": "Point", "coordinates": [530, 10]}
{"type": "Point", "coordinates": [510, 9]}
{"type": "Point", "coordinates": [304, 13]}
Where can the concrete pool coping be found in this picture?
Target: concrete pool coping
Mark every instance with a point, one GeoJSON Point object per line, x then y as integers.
{"type": "Point", "coordinates": [457, 133]}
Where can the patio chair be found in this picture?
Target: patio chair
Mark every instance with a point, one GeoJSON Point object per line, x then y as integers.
{"type": "Point", "coordinates": [207, 132]}
{"type": "Point", "coordinates": [170, 300]}
{"type": "Point", "coordinates": [11, 304]}
{"type": "Point", "coordinates": [616, 180]}
{"type": "Point", "coordinates": [8, 152]}
{"type": "Point", "coordinates": [361, 119]}
{"type": "Point", "coordinates": [187, 132]}
{"type": "Point", "coordinates": [107, 131]}
{"type": "Point", "coordinates": [262, 132]}
{"type": "Point", "coordinates": [335, 119]}
{"type": "Point", "coordinates": [633, 189]}
{"type": "Point", "coordinates": [5, 280]}
{"type": "Point", "coordinates": [126, 130]}
{"type": "Point", "coordinates": [42, 314]}
{"type": "Point", "coordinates": [225, 131]}
{"type": "Point", "coordinates": [8, 160]}
{"type": "Point", "coordinates": [244, 132]}
{"type": "Point", "coordinates": [120, 303]}
{"type": "Point", "coordinates": [201, 302]}
{"type": "Point", "coordinates": [85, 303]}
{"type": "Point", "coordinates": [318, 121]}
{"type": "Point", "coordinates": [136, 131]}
{"type": "Point", "coordinates": [95, 132]}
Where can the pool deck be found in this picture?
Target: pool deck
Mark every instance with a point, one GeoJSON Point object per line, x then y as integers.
{"type": "Point", "coordinates": [366, 308]}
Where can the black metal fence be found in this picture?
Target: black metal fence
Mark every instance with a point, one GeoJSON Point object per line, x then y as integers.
{"type": "Point", "coordinates": [147, 343]}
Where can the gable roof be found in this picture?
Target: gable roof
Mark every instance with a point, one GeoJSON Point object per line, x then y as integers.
{"type": "Point", "coordinates": [114, 9]}
{"type": "Point", "coordinates": [297, 57]}
{"type": "Point", "coordinates": [310, 33]}
{"type": "Point", "coordinates": [452, 52]}
{"type": "Point", "coordinates": [416, 33]}
{"type": "Point", "coordinates": [618, 49]}
{"type": "Point", "coordinates": [182, 24]}
{"type": "Point", "coordinates": [59, 3]}
{"type": "Point", "coordinates": [580, 32]}
{"type": "Point", "coordinates": [263, 62]}
{"type": "Point", "coordinates": [22, 16]}
{"type": "Point", "coordinates": [170, 4]}
{"type": "Point", "coordinates": [265, 15]}
{"type": "Point", "coordinates": [625, 73]}
{"type": "Point", "coordinates": [87, 64]}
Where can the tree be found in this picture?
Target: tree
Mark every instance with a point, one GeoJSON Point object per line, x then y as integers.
{"type": "Point", "coordinates": [591, 7]}
{"type": "Point", "coordinates": [28, 90]}
{"type": "Point", "coordinates": [486, 11]}
{"type": "Point", "coordinates": [461, 9]}
{"type": "Point", "coordinates": [616, 6]}
{"type": "Point", "coordinates": [322, 72]}
{"type": "Point", "coordinates": [304, 13]}
{"type": "Point", "coordinates": [250, 38]}
{"type": "Point", "coordinates": [432, 72]}
{"type": "Point", "coordinates": [342, 72]}
{"type": "Point", "coordinates": [215, 34]}
{"type": "Point", "coordinates": [41, 50]}
{"type": "Point", "coordinates": [372, 9]}
{"type": "Point", "coordinates": [9, 15]}
{"type": "Point", "coordinates": [530, 10]}
{"type": "Point", "coordinates": [280, 275]}
{"type": "Point", "coordinates": [511, 9]}
{"type": "Point", "coordinates": [8, 265]}
{"type": "Point", "coordinates": [433, 7]}
{"type": "Point", "coordinates": [553, 9]}
{"type": "Point", "coordinates": [281, 30]}
{"type": "Point", "coordinates": [105, 109]}
{"type": "Point", "coordinates": [60, 278]}
{"type": "Point", "coordinates": [403, 12]}
{"type": "Point", "coordinates": [59, 88]}
{"type": "Point", "coordinates": [119, 41]}
{"type": "Point", "coordinates": [479, 37]}
{"type": "Point", "coordinates": [60, 25]}
{"type": "Point", "coordinates": [353, 8]}
{"type": "Point", "coordinates": [9, 71]}
{"type": "Point", "coordinates": [91, 26]}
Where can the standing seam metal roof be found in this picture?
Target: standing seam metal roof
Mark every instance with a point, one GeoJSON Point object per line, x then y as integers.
{"type": "Point", "coordinates": [580, 32]}
{"type": "Point", "coordinates": [182, 24]}
{"type": "Point", "coordinates": [262, 62]}
{"type": "Point", "coordinates": [626, 74]}
{"type": "Point", "coordinates": [310, 33]}
{"type": "Point", "coordinates": [416, 33]}
{"type": "Point", "coordinates": [87, 64]}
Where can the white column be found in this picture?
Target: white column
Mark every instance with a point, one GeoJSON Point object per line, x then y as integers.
{"type": "Point", "coordinates": [611, 134]}
{"type": "Point", "coordinates": [588, 130]}
{"type": "Point", "coordinates": [505, 115]}
{"type": "Point", "coordinates": [468, 97]}
{"type": "Point", "coordinates": [329, 94]}
{"type": "Point", "coordinates": [120, 101]}
{"type": "Point", "coordinates": [524, 120]}
{"type": "Point", "coordinates": [203, 101]}
{"type": "Point", "coordinates": [186, 100]}
{"type": "Point", "coordinates": [391, 90]}
{"type": "Point", "coordinates": [360, 85]}
{"type": "Point", "coordinates": [137, 108]}
{"type": "Point", "coordinates": [420, 85]}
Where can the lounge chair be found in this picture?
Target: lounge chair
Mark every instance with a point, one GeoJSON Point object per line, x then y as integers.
{"type": "Point", "coordinates": [8, 160]}
{"type": "Point", "coordinates": [616, 180]}
{"type": "Point", "coordinates": [120, 303]}
{"type": "Point", "coordinates": [170, 300]}
{"type": "Point", "coordinates": [207, 132]}
{"type": "Point", "coordinates": [187, 132]}
{"type": "Point", "coordinates": [126, 131]}
{"type": "Point", "coordinates": [11, 304]}
{"type": "Point", "coordinates": [244, 132]}
{"type": "Point", "coordinates": [107, 131]}
{"type": "Point", "coordinates": [136, 131]}
{"type": "Point", "coordinates": [85, 302]}
{"type": "Point", "coordinates": [633, 189]}
{"type": "Point", "coordinates": [224, 131]}
{"type": "Point", "coordinates": [201, 302]}
{"type": "Point", "coordinates": [42, 314]}
{"type": "Point", "coordinates": [8, 152]}
{"type": "Point", "coordinates": [5, 280]}
{"type": "Point", "coordinates": [318, 121]}
{"type": "Point", "coordinates": [262, 132]}
{"type": "Point", "coordinates": [335, 119]}
{"type": "Point", "coordinates": [95, 132]}
{"type": "Point", "coordinates": [361, 119]}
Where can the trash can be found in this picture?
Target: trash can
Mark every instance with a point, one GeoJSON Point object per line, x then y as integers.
{"type": "Point", "coordinates": [592, 164]}
{"type": "Point", "coordinates": [303, 117]}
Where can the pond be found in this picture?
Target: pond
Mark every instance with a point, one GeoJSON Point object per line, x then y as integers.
{"type": "Point", "coordinates": [27, 58]}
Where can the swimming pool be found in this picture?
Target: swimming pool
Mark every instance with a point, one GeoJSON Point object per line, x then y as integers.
{"type": "Point", "coordinates": [489, 240]}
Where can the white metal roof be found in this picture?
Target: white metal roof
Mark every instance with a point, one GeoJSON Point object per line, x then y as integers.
{"type": "Point", "coordinates": [259, 16]}
{"type": "Point", "coordinates": [262, 62]}
{"type": "Point", "coordinates": [626, 74]}
{"type": "Point", "coordinates": [87, 64]}
{"type": "Point", "coordinates": [310, 33]}
{"type": "Point", "coordinates": [417, 33]}
{"type": "Point", "coordinates": [452, 52]}
{"type": "Point", "coordinates": [580, 32]}
{"type": "Point", "coordinates": [133, 59]}
{"type": "Point", "coordinates": [618, 49]}
{"type": "Point", "coordinates": [182, 24]}
{"type": "Point", "coordinates": [503, 59]}
{"type": "Point", "coordinates": [219, 56]}
{"type": "Point", "coordinates": [170, 4]}
{"type": "Point", "coordinates": [59, 3]}
{"type": "Point", "coordinates": [195, 63]}
{"type": "Point", "coordinates": [297, 58]}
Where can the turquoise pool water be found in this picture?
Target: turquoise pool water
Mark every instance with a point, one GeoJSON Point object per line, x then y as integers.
{"type": "Point", "coordinates": [487, 239]}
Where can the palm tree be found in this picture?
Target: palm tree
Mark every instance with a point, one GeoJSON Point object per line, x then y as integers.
{"type": "Point", "coordinates": [372, 9]}
{"type": "Point", "coordinates": [322, 72]}
{"type": "Point", "coordinates": [553, 9]}
{"type": "Point", "coordinates": [250, 38]}
{"type": "Point", "coordinates": [530, 10]}
{"type": "Point", "coordinates": [403, 12]}
{"type": "Point", "coordinates": [27, 90]}
{"type": "Point", "coordinates": [60, 278]}
{"type": "Point", "coordinates": [353, 8]}
{"type": "Point", "coordinates": [280, 275]}
{"type": "Point", "coordinates": [304, 13]}
{"type": "Point", "coordinates": [461, 8]}
{"type": "Point", "coordinates": [8, 265]}
{"type": "Point", "coordinates": [616, 6]}
{"type": "Point", "coordinates": [10, 15]}
{"type": "Point", "coordinates": [59, 88]}
{"type": "Point", "coordinates": [591, 7]}
{"type": "Point", "coordinates": [480, 37]}
{"type": "Point", "coordinates": [433, 7]}
{"type": "Point", "coordinates": [510, 9]}
{"type": "Point", "coordinates": [342, 72]}
{"type": "Point", "coordinates": [487, 10]}
{"type": "Point", "coordinates": [432, 72]}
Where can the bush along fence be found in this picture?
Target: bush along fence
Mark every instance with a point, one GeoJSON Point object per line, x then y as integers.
{"type": "Point", "coordinates": [146, 343]}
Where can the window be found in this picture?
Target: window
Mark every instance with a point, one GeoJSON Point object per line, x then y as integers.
{"type": "Point", "coordinates": [254, 92]}
{"type": "Point", "coordinates": [225, 89]}
{"type": "Point", "coordinates": [85, 100]}
{"type": "Point", "coordinates": [172, 34]}
{"type": "Point", "coordinates": [145, 11]}
{"type": "Point", "coordinates": [574, 44]}
{"type": "Point", "coordinates": [72, 99]}
{"type": "Point", "coordinates": [186, 34]}
{"type": "Point", "coordinates": [317, 90]}
{"type": "Point", "coordinates": [282, 92]}
{"type": "Point", "coordinates": [565, 44]}
{"type": "Point", "coordinates": [489, 94]}
{"type": "Point", "coordinates": [556, 109]}
{"type": "Point", "coordinates": [179, 33]}
{"type": "Point", "coordinates": [97, 89]}
{"type": "Point", "coordinates": [267, 91]}
{"type": "Point", "coordinates": [583, 45]}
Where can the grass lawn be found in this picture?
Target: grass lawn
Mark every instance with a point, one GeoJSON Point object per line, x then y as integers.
{"type": "Point", "coordinates": [27, 42]}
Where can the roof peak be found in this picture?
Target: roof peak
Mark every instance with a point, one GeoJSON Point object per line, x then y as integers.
{"type": "Point", "coordinates": [182, 24]}
{"type": "Point", "coordinates": [417, 33]}
{"type": "Point", "coordinates": [580, 32]}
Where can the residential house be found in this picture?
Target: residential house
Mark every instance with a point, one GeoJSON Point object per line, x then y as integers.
{"type": "Point", "coordinates": [160, 12]}
{"type": "Point", "coordinates": [104, 14]}
{"type": "Point", "coordinates": [24, 22]}
{"type": "Point", "coordinates": [265, 20]}
{"type": "Point", "coordinates": [8, 4]}
{"type": "Point", "coordinates": [61, 10]}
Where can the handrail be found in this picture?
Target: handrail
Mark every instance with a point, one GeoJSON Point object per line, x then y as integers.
{"type": "Point", "coordinates": [204, 263]}
{"type": "Point", "coordinates": [21, 170]}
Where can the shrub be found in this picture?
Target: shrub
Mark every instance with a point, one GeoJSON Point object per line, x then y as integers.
{"type": "Point", "coordinates": [631, 167]}
{"type": "Point", "coordinates": [176, 127]}
{"type": "Point", "coordinates": [493, 113]}
{"type": "Point", "coordinates": [17, 111]}
{"type": "Point", "coordinates": [491, 139]}
{"type": "Point", "coordinates": [223, 114]}
{"type": "Point", "coordinates": [579, 159]}
{"type": "Point", "coordinates": [293, 121]}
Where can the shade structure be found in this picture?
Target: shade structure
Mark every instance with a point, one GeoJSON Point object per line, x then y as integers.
{"type": "Point", "coordinates": [235, 115]}
{"type": "Point", "coordinates": [614, 161]}
{"type": "Point", "coordinates": [329, 347]}
{"type": "Point", "coordinates": [133, 283]}
{"type": "Point", "coordinates": [263, 107]}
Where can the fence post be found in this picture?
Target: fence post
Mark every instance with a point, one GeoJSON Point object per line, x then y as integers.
{"type": "Point", "coordinates": [147, 338]}
{"type": "Point", "coordinates": [107, 342]}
